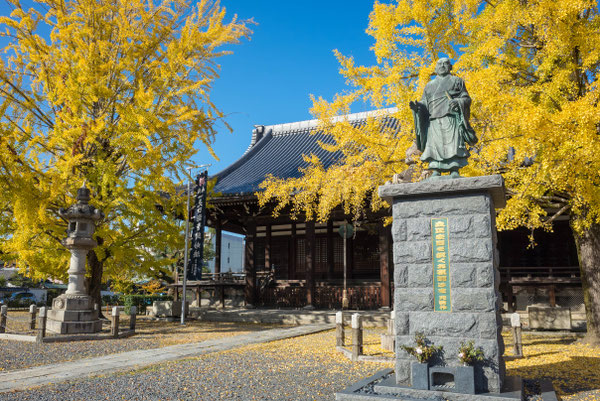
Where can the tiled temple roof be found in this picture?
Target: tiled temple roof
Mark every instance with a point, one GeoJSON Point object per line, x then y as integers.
{"type": "Point", "coordinates": [278, 150]}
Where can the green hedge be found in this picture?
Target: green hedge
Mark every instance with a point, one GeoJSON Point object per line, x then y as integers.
{"type": "Point", "coordinates": [141, 301]}
{"type": "Point", "coordinates": [111, 300]}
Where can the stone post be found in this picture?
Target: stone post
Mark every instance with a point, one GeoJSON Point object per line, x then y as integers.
{"type": "Point", "coordinates": [357, 336]}
{"type": "Point", "coordinates": [132, 317]}
{"type": "Point", "coordinates": [446, 278]}
{"type": "Point", "coordinates": [388, 339]}
{"type": "Point", "coordinates": [32, 313]}
{"type": "Point", "coordinates": [3, 315]}
{"type": "Point", "coordinates": [114, 328]}
{"type": "Point", "coordinates": [42, 316]}
{"type": "Point", "coordinates": [515, 323]}
{"type": "Point", "coordinates": [391, 325]}
{"type": "Point", "coordinates": [339, 329]}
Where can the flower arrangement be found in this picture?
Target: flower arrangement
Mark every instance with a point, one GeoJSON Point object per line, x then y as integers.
{"type": "Point", "coordinates": [424, 350]}
{"type": "Point", "coordinates": [468, 354]}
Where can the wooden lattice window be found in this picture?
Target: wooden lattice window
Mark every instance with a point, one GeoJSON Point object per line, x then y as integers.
{"type": "Point", "coordinates": [321, 254]}
{"type": "Point", "coordinates": [366, 251]}
{"type": "Point", "coordinates": [300, 255]}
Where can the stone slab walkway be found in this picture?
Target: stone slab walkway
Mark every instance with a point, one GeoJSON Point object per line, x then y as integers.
{"type": "Point", "coordinates": [42, 375]}
{"type": "Point", "coordinates": [370, 318]}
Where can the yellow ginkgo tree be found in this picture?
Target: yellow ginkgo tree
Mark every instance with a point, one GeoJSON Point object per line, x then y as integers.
{"type": "Point", "coordinates": [113, 93]}
{"type": "Point", "coordinates": [531, 68]}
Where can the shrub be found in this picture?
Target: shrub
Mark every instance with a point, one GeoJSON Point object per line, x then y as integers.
{"type": "Point", "coordinates": [111, 299]}
{"type": "Point", "coordinates": [142, 301]}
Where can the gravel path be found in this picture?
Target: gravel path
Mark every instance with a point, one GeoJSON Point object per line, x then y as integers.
{"type": "Point", "coordinates": [151, 334]}
{"type": "Point", "coordinates": [302, 368]}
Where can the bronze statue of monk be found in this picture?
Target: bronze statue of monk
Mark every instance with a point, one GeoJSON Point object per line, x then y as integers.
{"type": "Point", "coordinates": [442, 122]}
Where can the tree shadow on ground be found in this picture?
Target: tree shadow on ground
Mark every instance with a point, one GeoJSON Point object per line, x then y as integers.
{"type": "Point", "coordinates": [570, 377]}
{"type": "Point", "coordinates": [561, 341]}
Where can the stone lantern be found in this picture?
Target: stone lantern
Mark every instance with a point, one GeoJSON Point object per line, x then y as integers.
{"type": "Point", "coordinates": [74, 311]}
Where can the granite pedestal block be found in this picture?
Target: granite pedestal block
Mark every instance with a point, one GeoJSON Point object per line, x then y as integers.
{"type": "Point", "coordinates": [446, 284]}
{"type": "Point", "coordinates": [473, 313]}
{"type": "Point", "coordinates": [73, 314]}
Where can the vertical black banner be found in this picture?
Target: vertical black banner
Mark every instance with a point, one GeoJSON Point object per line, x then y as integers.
{"type": "Point", "coordinates": [198, 218]}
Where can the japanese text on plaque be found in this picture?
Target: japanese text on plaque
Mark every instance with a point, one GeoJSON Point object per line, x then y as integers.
{"type": "Point", "coordinates": [441, 265]}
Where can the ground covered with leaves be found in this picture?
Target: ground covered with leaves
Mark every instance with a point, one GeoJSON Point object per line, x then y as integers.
{"type": "Point", "coordinates": [574, 368]}
{"type": "Point", "coordinates": [310, 368]}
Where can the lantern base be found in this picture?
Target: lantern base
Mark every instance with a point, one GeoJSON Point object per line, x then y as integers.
{"type": "Point", "coordinates": [73, 314]}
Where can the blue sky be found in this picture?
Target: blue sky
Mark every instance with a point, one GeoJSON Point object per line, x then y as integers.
{"type": "Point", "coordinates": [269, 78]}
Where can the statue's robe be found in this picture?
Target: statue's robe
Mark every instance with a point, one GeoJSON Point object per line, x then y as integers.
{"type": "Point", "coordinates": [441, 131]}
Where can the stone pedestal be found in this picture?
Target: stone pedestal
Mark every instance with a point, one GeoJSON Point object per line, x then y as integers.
{"type": "Point", "coordinates": [549, 317]}
{"type": "Point", "coordinates": [168, 308]}
{"type": "Point", "coordinates": [446, 284]}
{"type": "Point", "coordinates": [73, 314]}
{"type": "Point", "coordinates": [465, 207]}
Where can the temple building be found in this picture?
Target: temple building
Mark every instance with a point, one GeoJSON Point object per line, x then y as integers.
{"type": "Point", "coordinates": [299, 263]}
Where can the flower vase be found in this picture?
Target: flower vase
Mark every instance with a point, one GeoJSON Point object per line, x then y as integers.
{"type": "Point", "coordinates": [419, 374]}
{"type": "Point", "coordinates": [464, 379]}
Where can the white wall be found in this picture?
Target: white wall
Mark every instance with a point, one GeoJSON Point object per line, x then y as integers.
{"type": "Point", "coordinates": [232, 253]}
{"type": "Point", "coordinates": [8, 272]}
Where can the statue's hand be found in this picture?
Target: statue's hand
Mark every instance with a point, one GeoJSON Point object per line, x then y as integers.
{"type": "Point", "coordinates": [454, 104]}
{"type": "Point", "coordinates": [413, 106]}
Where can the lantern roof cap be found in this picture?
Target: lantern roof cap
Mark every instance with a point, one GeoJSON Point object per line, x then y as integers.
{"type": "Point", "coordinates": [82, 209]}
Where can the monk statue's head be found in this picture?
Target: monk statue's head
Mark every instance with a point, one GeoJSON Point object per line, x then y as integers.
{"type": "Point", "coordinates": [443, 66]}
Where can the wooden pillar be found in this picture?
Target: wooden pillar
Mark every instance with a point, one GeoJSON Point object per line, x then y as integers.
{"type": "Point", "coordinates": [384, 265]}
{"type": "Point", "coordinates": [552, 295]}
{"type": "Point", "coordinates": [249, 266]}
{"type": "Point", "coordinates": [198, 294]}
{"type": "Point", "coordinates": [268, 248]}
{"type": "Point", "coordinates": [292, 262]}
{"type": "Point", "coordinates": [218, 245]}
{"type": "Point", "coordinates": [175, 289]}
{"type": "Point", "coordinates": [310, 263]}
{"type": "Point", "coordinates": [330, 255]}
{"type": "Point", "coordinates": [350, 257]}
{"type": "Point", "coordinates": [510, 298]}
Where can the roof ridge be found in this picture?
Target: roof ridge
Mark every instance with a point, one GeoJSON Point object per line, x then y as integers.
{"type": "Point", "coordinates": [264, 133]}
{"type": "Point", "coordinates": [309, 124]}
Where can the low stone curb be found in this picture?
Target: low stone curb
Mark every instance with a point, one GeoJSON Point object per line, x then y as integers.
{"type": "Point", "coordinates": [286, 316]}
{"type": "Point", "coordinates": [43, 375]}
{"type": "Point", "coordinates": [66, 338]}
{"type": "Point", "coordinates": [17, 337]}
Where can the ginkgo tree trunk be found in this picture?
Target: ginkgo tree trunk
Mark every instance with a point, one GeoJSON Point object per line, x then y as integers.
{"type": "Point", "coordinates": [531, 68]}
{"type": "Point", "coordinates": [113, 93]}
